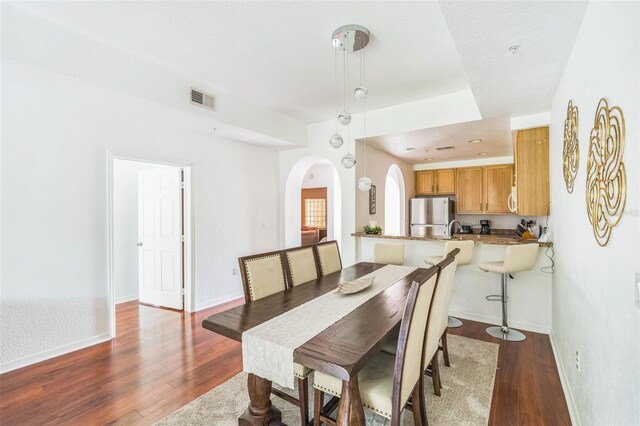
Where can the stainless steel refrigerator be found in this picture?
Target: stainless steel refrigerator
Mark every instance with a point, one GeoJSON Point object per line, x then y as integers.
{"type": "Point", "coordinates": [429, 217]}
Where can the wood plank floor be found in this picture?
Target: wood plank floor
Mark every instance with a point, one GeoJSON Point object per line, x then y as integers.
{"type": "Point", "coordinates": [162, 359]}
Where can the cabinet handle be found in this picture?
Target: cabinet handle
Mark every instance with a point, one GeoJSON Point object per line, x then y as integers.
{"type": "Point", "coordinates": [437, 188]}
{"type": "Point", "coordinates": [486, 207]}
{"type": "Point", "coordinates": [432, 188]}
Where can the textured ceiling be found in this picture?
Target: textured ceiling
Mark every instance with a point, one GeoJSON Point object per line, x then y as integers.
{"type": "Point", "coordinates": [278, 55]}
{"type": "Point", "coordinates": [495, 134]}
{"type": "Point", "coordinates": [506, 84]}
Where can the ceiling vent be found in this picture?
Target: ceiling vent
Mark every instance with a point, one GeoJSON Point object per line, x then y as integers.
{"type": "Point", "coordinates": [200, 98]}
{"type": "Point", "coordinates": [444, 148]}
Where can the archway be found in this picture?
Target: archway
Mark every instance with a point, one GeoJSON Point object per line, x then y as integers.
{"type": "Point", "coordinates": [394, 205]}
{"type": "Point", "coordinates": [325, 175]}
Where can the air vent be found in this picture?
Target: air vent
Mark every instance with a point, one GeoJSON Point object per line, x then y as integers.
{"type": "Point", "coordinates": [444, 148]}
{"type": "Point", "coordinates": [200, 98]}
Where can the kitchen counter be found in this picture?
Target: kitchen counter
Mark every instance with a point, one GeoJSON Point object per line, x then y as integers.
{"type": "Point", "coordinates": [497, 239]}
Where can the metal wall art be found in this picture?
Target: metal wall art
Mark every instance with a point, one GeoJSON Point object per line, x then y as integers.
{"type": "Point", "coordinates": [570, 149]}
{"type": "Point", "coordinates": [606, 191]}
{"type": "Point", "coordinates": [372, 199]}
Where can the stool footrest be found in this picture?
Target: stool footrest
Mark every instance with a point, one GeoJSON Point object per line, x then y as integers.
{"type": "Point", "coordinates": [494, 298]}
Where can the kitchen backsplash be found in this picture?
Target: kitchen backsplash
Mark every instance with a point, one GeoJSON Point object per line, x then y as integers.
{"type": "Point", "coordinates": [497, 221]}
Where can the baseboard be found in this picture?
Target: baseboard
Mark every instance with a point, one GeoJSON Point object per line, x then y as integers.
{"type": "Point", "coordinates": [52, 353]}
{"type": "Point", "coordinates": [568, 396]}
{"type": "Point", "coordinates": [128, 298]}
{"type": "Point", "coordinates": [218, 301]}
{"type": "Point", "coordinates": [535, 328]}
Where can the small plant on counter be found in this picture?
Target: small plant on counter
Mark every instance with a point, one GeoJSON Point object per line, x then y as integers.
{"type": "Point", "coordinates": [376, 229]}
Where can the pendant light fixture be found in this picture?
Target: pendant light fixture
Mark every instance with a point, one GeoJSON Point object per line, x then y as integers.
{"type": "Point", "coordinates": [348, 39]}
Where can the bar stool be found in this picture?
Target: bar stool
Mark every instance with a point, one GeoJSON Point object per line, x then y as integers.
{"type": "Point", "coordinates": [392, 254]}
{"type": "Point", "coordinates": [517, 258]}
{"type": "Point", "coordinates": [464, 258]}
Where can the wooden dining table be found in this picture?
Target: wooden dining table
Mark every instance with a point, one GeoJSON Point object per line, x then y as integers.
{"type": "Point", "coordinates": [341, 350]}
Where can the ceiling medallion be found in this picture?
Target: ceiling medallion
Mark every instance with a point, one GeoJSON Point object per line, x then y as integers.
{"type": "Point", "coordinates": [570, 148]}
{"type": "Point", "coordinates": [606, 192]}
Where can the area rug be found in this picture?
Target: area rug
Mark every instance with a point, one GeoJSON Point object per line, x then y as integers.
{"type": "Point", "coordinates": [467, 387]}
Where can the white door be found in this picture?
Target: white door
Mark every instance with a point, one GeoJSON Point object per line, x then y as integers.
{"type": "Point", "coordinates": [160, 237]}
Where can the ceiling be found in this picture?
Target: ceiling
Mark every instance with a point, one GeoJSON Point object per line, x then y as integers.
{"type": "Point", "coordinates": [495, 134]}
{"type": "Point", "coordinates": [278, 55]}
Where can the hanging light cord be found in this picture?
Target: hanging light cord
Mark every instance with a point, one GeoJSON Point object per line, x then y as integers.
{"type": "Point", "coordinates": [364, 110]}
{"type": "Point", "coordinates": [335, 85]}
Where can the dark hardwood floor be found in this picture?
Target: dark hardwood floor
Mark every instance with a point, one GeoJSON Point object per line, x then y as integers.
{"type": "Point", "coordinates": [163, 359]}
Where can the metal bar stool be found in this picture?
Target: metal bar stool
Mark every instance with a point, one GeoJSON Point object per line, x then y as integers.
{"type": "Point", "coordinates": [464, 258]}
{"type": "Point", "coordinates": [517, 258]}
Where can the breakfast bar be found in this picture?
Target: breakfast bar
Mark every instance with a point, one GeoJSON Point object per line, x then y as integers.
{"type": "Point", "coordinates": [529, 292]}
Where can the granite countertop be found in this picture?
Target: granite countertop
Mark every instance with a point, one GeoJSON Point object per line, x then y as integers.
{"type": "Point", "coordinates": [497, 238]}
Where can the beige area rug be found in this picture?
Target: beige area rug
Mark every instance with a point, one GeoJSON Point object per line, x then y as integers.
{"type": "Point", "coordinates": [467, 387]}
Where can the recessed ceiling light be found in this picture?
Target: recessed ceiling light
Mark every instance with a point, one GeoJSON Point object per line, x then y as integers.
{"type": "Point", "coordinates": [410, 148]}
{"type": "Point", "coordinates": [482, 154]}
{"type": "Point", "coordinates": [475, 141]}
{"type": "Point", "coordinates": [428, 159]}
{"type": "Point", "coordinates": [514, 49]}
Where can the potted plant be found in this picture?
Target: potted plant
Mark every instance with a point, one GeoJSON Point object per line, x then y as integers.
{"type": "Point", "coordinates": [372, 229]}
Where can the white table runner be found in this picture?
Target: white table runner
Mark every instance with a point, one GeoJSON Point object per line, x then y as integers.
{"type": "Point", "coordinates": [267, 349]}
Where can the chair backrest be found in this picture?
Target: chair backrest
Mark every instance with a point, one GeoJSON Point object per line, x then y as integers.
{"type": "Point", "coordinates": [409, 364]}
{"type": "Point", "coordinates": [466, 250]}
{"type": "Point", "coordinates": [440, 304]}
{"type": "Point", "coordinates": [301, 265]}
{"type": "Point", "coordinates": [521, 257]}
{"type": "Point", "coordinates": [328, 257]}
{"type": "Point", "coordinates": [388, 253]}
{"type": "Point", "coordinates": [262, 275]}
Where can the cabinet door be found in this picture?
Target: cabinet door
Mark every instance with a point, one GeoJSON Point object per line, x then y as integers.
{"type": "Point", "coordinates": [469, 190]}
{"type": "Point", "coordinates": [425, 184]}
{"type": "Point", "coordinates": [445, 181]}
{"type": "Point", "coordinates": [497, 187]}
{"type": "Point", "coordinates": [532, 171]}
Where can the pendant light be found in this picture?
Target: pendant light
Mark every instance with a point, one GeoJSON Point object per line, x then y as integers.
{"type": "Point", "coordinates": [349, 39]}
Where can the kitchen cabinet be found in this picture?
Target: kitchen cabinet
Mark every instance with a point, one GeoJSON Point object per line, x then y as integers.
{"type": "Point", "coordinates": [532, 172]}
{"type": "Point", "coordinates": [484, 189]}
{"type": "Point", "coordinates": [432, 182]}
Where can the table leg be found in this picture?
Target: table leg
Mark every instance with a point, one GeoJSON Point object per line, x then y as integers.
{"type": "Point", "coordinates": [350, 410]}
{"type": "Point", "coordinates": [260, 410]}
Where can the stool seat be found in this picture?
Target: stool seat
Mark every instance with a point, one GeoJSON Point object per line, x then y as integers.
{"type": "Point", "coordinates": [493, 267]}
{"type": "Point", "coordinates": [433, 260]}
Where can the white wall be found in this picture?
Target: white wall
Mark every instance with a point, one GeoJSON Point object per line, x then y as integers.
{"type": "Point", "coordinates": [125, 226]}
{"type": "Point", "coordinates": [378, 164]}
{"type": "Point", "coordinates": [593, 287]}
{"type": "Point", "coordinates": [56, 132]}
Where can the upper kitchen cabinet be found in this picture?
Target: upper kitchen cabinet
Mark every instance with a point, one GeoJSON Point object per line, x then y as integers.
{"type": "Point", "coordinates": [470, 190]}
{"type": "Point", "coordinates": [532, 172]}
{"type": "Point", "coordinates": [431, 182]}
{"type": "Point", "coordinates": [484, 189]}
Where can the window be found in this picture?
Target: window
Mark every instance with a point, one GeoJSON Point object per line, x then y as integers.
{"type": "Point", "coordinates": [394, 202]}
{"type": "Point", "coordinates": [315, 212]}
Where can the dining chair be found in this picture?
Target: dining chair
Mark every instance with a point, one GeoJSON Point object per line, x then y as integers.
{"type": "Point", "coordinates": [263, 275]}
{"type": "Point", "coordinates": [328, 257]}
{"type": "Point", "coordinates": [387, 381]}
{"type": "Point", "coordinates": [300, 265]}
{"type": "Point", "coordinates": [388, 253]}
{"type": "Point", "coordinates": [437, 320]}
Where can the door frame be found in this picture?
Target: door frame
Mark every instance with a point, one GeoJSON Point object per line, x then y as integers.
{"type": "Point", "coordinates": [187, 217]}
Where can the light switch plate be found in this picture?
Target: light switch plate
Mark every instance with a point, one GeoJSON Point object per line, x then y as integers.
{"type": "Point", "coordinates": [638, 290]}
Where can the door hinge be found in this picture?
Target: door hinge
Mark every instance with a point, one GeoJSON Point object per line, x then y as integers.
{"type": "Point", "coordinates": [182, 238]}
{"type": "Point", "coordinates": [182, 291]}
{"type": "Point", "coordinates": [181, 185]}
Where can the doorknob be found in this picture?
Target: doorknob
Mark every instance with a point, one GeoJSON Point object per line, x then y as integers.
{"type": "Point", "coordinates": [139, 244]}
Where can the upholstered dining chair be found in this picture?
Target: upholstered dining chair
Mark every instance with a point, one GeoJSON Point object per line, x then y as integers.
{"type": "Point", "coordinates": [437, 320]}
{"type": "Point", "coordinates": [300, 265]}
{"type": "Point", "coordinates": [328, 257]}
{"type": "Point", "coordinates": [387, 382]}
{"type": "Point", "coordinates": [388, 253]}
{"type": "Point", "coordinates": [263, 275]}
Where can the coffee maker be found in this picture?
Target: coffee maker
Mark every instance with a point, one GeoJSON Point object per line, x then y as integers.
{"type": "Point", "coordinates": [484, 230]}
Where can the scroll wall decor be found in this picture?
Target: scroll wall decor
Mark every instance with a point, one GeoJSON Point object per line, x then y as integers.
{"type": "Point", "coordinates": [570, 149]}
{"type": "Point", "coordinates": [606, 190]}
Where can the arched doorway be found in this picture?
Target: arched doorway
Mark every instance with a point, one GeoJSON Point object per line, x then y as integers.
{"type": "Point", "coordinates": [312, 172]}
{"type": "Point", "coordinates": [394, 205]}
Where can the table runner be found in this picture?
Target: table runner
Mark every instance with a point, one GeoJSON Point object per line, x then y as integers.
{"type": "Point", "coordinates": [267, 349]}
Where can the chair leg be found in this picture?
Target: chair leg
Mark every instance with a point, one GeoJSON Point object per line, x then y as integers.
{"type": "Point", "coordinates": [303, 397]}
{"type": "Point", "coordinates": [445, 349]}
{"type": "Point", "coordinates": [318, 401]}
{"type": "Point", "coordinates": [435, 374]}
{"type": "Point", "coordinates": [417, 405]}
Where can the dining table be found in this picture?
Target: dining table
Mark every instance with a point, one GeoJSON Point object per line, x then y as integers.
{"type": "Point", "coordinates": [341, 350]}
